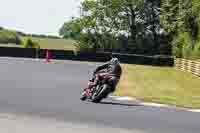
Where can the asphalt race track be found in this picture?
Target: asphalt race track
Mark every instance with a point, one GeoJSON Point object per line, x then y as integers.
{"type": "Point", "coordinates": [53, 90]}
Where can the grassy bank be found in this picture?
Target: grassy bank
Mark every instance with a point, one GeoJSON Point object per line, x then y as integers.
{"type": "Point", "coordinates": [61, 44]}
{"type": "Point", "coordinates": [11, 45]}
{"type": "Point", "coordinates": [161, 85]}
{"type": "Point", "coordinates": [46, 43]}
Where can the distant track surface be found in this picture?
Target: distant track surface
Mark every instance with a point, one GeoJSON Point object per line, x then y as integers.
{"type": "Point", "coordinates": [52, 91]}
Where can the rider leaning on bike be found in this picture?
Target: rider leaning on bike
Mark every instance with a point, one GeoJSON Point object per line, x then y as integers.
{"type": "Point", "coordinates": [112, 68]}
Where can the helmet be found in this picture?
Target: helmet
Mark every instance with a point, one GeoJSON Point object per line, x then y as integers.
{"type": "Point", "coordinates": [115, 61]}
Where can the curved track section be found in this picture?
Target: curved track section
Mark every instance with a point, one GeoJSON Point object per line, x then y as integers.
{"type": "Point", "coordinates": [52, 91]}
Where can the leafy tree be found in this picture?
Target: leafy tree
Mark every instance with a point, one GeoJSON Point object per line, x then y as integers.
{"type": "Point", "coordinates": [180, 19]}
{"type": "Point", "coordinates": [29, 43]}
{"type": "Point", "coordinates": [105, 24]}
{"type": "Point", "coordinates": [7, 36]}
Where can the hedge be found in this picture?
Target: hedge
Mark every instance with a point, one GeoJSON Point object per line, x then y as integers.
{"type": "Point", "coordinates": [159, 60]}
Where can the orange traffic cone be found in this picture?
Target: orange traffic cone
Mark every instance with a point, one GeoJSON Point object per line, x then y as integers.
{"type": "Point", "coordinates": [48, 55]}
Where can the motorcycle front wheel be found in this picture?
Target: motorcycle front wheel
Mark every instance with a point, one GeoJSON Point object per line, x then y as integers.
{"type": "Point", "coordinates": [83, 96]}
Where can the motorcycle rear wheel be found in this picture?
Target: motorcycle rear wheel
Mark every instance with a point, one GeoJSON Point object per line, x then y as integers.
{"type": "Point", "coordinates": [100, 95]}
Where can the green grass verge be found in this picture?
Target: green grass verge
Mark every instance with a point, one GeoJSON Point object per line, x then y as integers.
{"type": "Point", "coordinates": [161, 85]}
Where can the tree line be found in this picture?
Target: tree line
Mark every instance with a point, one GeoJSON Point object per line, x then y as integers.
{"type": "Point", "coordinates": [147, 27]}
{"type": "Point", "coordinates": [38, 35]}
{"type": "Point", "coordinates": [8, 36]}
{"type": "Point", "coordinates": [15, 37]}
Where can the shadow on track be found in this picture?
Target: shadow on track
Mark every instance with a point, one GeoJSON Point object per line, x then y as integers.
{"type": "Point", "coordinates": [120, 104]}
